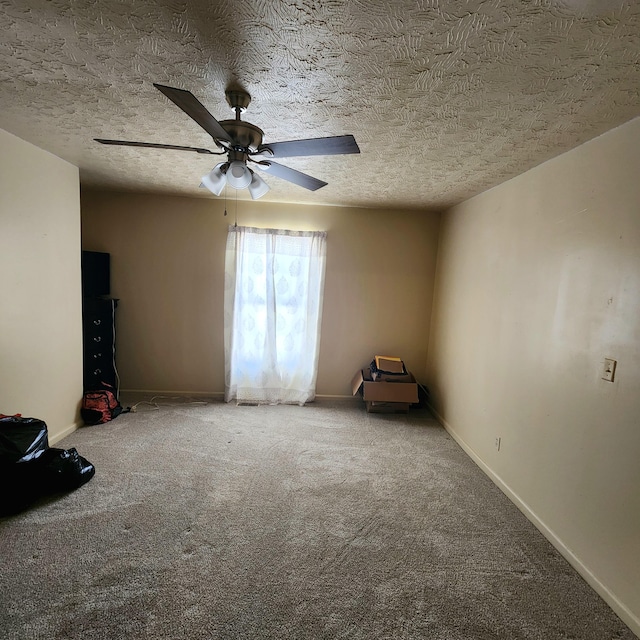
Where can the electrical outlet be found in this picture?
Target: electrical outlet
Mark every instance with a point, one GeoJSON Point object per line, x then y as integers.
{"type": "Point", "coordinates": [498, 442]}
{"type": "Point", "coordinates": [609, 370]}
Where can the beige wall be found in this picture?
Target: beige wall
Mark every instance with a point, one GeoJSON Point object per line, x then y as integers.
{"type": "Point", "coordinates": [538, 280]}
{"type": "Point", "coordinates": [168, 271]}
{"type": "Point", "coordinates": [40, 293]}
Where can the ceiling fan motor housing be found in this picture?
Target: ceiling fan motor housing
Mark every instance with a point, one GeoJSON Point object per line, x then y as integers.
{"type": "Point", "coordinates": [246, 136]}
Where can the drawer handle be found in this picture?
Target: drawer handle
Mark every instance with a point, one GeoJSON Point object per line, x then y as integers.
{"type": "Point", "coordinates": [97, 372]}
{"type": "Point", "coordinates": [97, 339]}
{"type": "Point", "coordinates": [97, 355]}
{"type": "Point", "coordinates": [97, 322]}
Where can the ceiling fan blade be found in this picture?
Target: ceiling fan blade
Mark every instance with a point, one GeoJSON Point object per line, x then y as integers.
{"type": "Point", "coordinates": [152, 145]}
{"type": "Point", "coordinates": [195, 110]}
{"type": "Point", "coordinates": [332, 146]}
{"type": "Point", "coordinates": [286, 173]}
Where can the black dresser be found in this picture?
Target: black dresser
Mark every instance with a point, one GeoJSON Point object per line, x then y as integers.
{"type": "Point", "coordinates": [99, 347]}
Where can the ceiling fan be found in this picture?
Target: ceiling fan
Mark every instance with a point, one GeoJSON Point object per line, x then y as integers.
{"type": "Point", "coordinates": [242, 142]}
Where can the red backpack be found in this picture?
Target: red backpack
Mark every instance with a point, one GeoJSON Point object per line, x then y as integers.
{"type": "Point", "coordinates": [100, 406]}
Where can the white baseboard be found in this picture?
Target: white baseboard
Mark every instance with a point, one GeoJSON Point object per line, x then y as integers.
{"type": "Point", "coordinates": [64, 433]}
{"type": "Point", "coordinates": [623, 612]}
{"type": "Point", "coordinates": [213, 394]}
{"type": "Point", "coordinates": [170, 392]}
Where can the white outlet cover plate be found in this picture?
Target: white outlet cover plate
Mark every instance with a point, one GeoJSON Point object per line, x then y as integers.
{"type": "Point", "coordinates": [609, 369]}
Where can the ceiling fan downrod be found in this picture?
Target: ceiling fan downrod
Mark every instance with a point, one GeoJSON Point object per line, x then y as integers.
{"type": "Point", "coordinates": [238, 101]}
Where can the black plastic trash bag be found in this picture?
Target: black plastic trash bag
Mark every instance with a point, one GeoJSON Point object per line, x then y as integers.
{"type": "Point", "coordinates": [55, 471]}
{"type": "Point", "coordinates": [64, 469]}
{"type": "Point", "coordinates": [19, 487]}
{"type": "Point", "coordinates": [22, 439]}
{"type": "Point", "coordinates": [30, 469]}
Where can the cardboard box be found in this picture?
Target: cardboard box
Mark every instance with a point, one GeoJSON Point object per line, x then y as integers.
{"type": "Point", "coordinates": [387, 407]}
{"type": "Point", "coordinates": [393, 377]}
{"type": "Point", "coordinates": [384, 395]}
{"type": "Point", "coordinates": [389, 364]}
{"type": "Point", "coordinates": [390, 369]}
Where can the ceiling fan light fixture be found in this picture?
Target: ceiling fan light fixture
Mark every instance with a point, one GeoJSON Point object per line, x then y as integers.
{"type": "Point", "coordinates": [238, 175]}
{"type": "Point", "coordinates": [215, 179]}
{"type": "Point", "coordinates": [258, 187]}
{"type": "Point", "coordinates": [240, 140]}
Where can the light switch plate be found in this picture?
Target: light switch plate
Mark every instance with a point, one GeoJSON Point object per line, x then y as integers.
{"type": "Point", "coordinates": [609, 369]}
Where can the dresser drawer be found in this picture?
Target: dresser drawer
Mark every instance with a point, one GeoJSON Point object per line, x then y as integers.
{"type": "Point", "coordinates": [98, 332]}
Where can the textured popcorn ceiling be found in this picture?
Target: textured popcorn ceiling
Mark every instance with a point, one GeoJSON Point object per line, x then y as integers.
{"type": "Point", "coordinates": [445, 99]}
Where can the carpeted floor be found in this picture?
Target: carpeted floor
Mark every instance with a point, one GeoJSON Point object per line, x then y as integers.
{"type": "Point", "coordinates": [217, 521]}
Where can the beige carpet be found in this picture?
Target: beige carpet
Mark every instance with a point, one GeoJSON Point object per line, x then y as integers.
{"type": "Point", "coordinates": [218, 521]}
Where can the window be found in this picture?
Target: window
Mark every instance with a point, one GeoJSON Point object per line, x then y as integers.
{"type": "Point", "coordinates": [274, 282]}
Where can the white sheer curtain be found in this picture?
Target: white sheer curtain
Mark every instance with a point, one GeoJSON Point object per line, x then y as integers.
{"type": "Point", "coordinates": [274, 281]}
